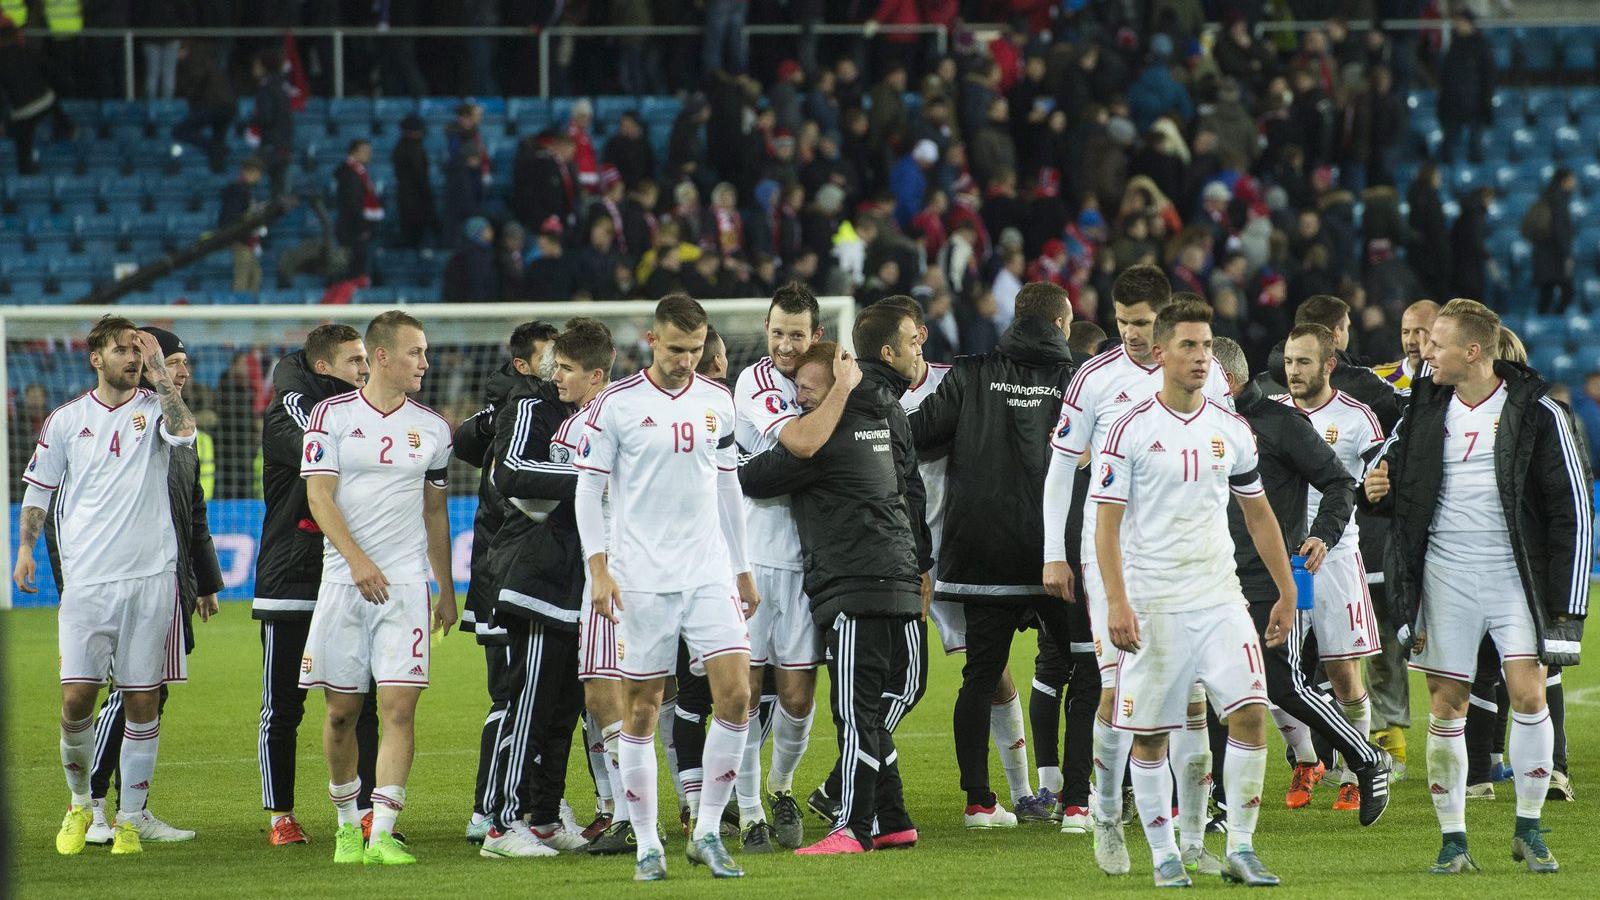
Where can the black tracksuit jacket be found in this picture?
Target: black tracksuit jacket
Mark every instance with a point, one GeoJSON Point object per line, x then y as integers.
{"type": "Point", "coordinates": [289, 557]}
{"type": "Point", "coordinates": [994, 414]}
{"type": "Point", "coordinates": [1544, 487]}
{"type": "Point", "coordinates": [858, 505]}
{"type": "Point", "coordinates": [1292, 456]}
{"type": "Point", "coordinates": [474, 445]}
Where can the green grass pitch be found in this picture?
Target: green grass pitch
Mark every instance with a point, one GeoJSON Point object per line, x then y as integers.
{"type": "Point", "coordinates": [208, 780]}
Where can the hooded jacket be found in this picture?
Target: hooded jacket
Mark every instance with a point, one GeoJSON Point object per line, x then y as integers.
{"type": "Point", "coordinates": [474, 445]}
{"type": "Point", "coordinates": [858, 505]}
{"type": "Point", "coordinates": [1293, 456]}
{"type": "Point", "coordinates": [993, 414]}
{"type": "Point", "coordinates": [289, 560]}
{"type": "Point", "coordinates": [1543, 481]}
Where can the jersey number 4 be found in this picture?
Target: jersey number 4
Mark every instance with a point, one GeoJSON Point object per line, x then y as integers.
{"type": "Point", "coordinates": [116, 445]}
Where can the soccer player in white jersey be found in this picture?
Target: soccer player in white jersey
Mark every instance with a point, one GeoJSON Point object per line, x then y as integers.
{"type": "Point", "coordinates": [375, 465]}
{"type": "Point", "coordinates": [782, 633]}
{"type": "Point", "coordinates": [1176, 611]}
{"type": "Point", "coordinates": [673, 565]}
{"type": "Point", "coordinates": [1104, 389]}
{"type": "Point", "coordinates": [103, 457]}
{"type": "Point", "coordinates": [1343, 618]}
{"type": "Point", "coordinates": [1493, 517]}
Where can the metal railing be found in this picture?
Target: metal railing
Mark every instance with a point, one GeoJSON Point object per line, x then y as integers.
{"type": "Point", "coordinates": [939, 33]}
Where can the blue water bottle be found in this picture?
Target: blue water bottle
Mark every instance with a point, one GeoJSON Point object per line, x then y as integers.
{"type": "Point", "coordinates": [1304, 583]}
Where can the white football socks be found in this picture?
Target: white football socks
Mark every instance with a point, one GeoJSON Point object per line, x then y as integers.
{"type": "Point", "coordinates": [1533, 742]}
{"type": "Point", "coordinates": [1297, 736]}
{"type": "Point", "coordinates": [748, 783]}
{"type": "Point", "coordinates": [636, 758]}
{"type": "Point", "coordinates": [138, 765]}
{"type": "Point", "coordinates": [1110, 758]}
{"type": "Point", "coordinates": [1447, 772]}
{"type": "Point", "coordinates": [77, 757]}
{"type": "Point", "coordinates": [387, 801]}
{"type": "Point", "coordinates": [1358, 713]}
{"type": "Point", "coordinates": [1190, 752]}
{"type": "Point", "coordinates": [1011, 742]}
{"type": "Point", "coordinates": [789, 739]}
{"type": "Point", "coordinates": [1244, 769]}
{"type": "Point", "coordinates": [725, 746]}
{"type": "Point", "coordinates": [1152, 793]}
{"type": "Point", "coordinates": [344, 801]}
{"type": "Point", "coordinates": [610, 738]}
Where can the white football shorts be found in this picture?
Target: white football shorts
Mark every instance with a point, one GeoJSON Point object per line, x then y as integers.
{"type": "Point", "coordinates": [782, 632]}
{"type": "Point", "coordinates": [709, 618]}
{"type": "Point", "coordinates": [1216, 647]}
{"type": "Point", "coordinates": [353, 642]}
{"type": "Point", "coordinates": [129, 632]}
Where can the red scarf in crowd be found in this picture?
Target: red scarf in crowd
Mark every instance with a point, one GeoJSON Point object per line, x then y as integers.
{"type": "Point", "coordinates": [371, 206]}
{"type": "Point", "coordinates": [730, 231]}
{"type": "Point", "coordinates": [615, 213]}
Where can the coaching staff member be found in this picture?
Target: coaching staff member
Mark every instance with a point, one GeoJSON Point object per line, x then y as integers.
{"type": "Point", "coordinates": [289, 570]}
{"type": "Point", "coordinates": [857, 505]}
{"type": "Point", "coordinates": [1294, 456]}
{"type": "Point", "coordinates": [994, 414]}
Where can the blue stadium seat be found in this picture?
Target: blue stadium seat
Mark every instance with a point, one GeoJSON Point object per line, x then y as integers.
{"type": "Point", "coordinates": [393, 109]}
{"type": "Point", "coordinates": [32, 189]}
{"type": "Point", "coordinates": [69, 290]}
{"type": "Point", "coordinates": [1536, 51]}
{"type": "Point", "coordinates": [1502, 43]}
{"type": "Point", "coordinates": [438, 111]}
{"type": "Point", "coordinates": [350, 109]}
{"type": "Point", "coordinates": [1544, 331]}
{"type": "Point", "coordinates": [166, 112]}
{"type": "Point", "coordinates": [98, 225]}
{"type": "Point", "coordinates": [123, 111]}
{"type": "Point", "coordinates": [1578, 51]}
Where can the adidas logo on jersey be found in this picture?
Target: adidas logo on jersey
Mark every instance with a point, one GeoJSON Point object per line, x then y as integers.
{"type": "Point", "coordinates": [1257, 686]}
{"type": "Point", "coordinates": [357, 434]}
{"type": "Point", "coordinates": [1157, 448]}
{"type": "Point", "coordinates": [727, 776]}
{"type": "Point", "coordinates": [1360, 641]}
{"type": "Point", "coordinates": [648, 423]}
{"type": "Point", "coordinates": [86, 432]}
{"type": "Point", "coordinates": [1123, 398]}
{"type": "Point", "coordinates": [417, 671]}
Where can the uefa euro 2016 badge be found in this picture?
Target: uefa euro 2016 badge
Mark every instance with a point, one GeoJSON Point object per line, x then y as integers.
{"type": "Point", "coordinates": [776, 404]}
{"type": "Point", "coordinates": [1218, 448]}
{"type": "Point", "coordinates": [1106, 475]}
{"type": "Point", "coordinates": [711, 422]}
{"type": "Point", "coordinates": [1066, 426]}
{"type": "Point", "coordinates": [313, 451]}
{"type": "Point", "coordinates": [583, 446]}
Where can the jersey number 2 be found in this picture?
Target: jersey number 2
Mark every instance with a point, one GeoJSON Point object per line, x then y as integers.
{"type": "Point", "coordinates": [416, 645]}
{"type": "Point", "coordinates": [116, 445]}
{"type": "Point", "coordinates": [383, 454]}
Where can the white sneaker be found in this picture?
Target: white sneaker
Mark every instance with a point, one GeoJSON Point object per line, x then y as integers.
{"type": "Point", "coordinates": [1481, 791]}
{"type": "Point", "coordinates": [1075, 820]}
{"type": "Point", "coordinates": [569, 821]}
{"type": "Point", "coordinates": [155, 831]}
{"type": "Point", "coordinates": [996, 816]}
{"type": "Point", "coordinates": [100, 833]}
{"type": "Point", "coordinates": [560, 837]}
{"type": "Point", "coordinates": [516, 842]}
{"type": "Point", "coordinates": [1110, 847]}
{"type": "Point", "coordinates": [477, 830]}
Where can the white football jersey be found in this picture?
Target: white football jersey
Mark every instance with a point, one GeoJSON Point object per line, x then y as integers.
{"type": "Point", "coordinates": [1175, 474]}
{"type": "Point", "coordinates": [1103, 390]}
{"type": "Point", "coordinates": [932, 471]}
{"type": "Point", "coordinates": [381, 460]}
{"type": "Point", "coordinates": [764, 402]}
{"type": "Point", "coordinates": [564, 452]}
{"type": "Point", "coordinates": [1351, 429]}
{"type": "Point", "coordinates": [1469, 524]}
{"type": "Point", "coordinates": [661, 452]}
{"type": "Point", "coordinates": [108, 469]}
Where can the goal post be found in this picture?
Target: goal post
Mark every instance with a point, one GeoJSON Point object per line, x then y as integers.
{"type": "Point", "coordinates": [232, 351]}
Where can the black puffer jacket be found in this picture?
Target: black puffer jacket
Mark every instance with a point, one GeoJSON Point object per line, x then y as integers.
{"type": "Point", "coordinates": [995, 413]}
{"type": "Point", "coordinates": [289, 559]}
{"type": "Point", "coordinates": [474, 445]}
{"type": "Point", "coordinates": [858, 504]}
{"type": "Point", "coordinates": [536, 558]}
{"type": "Point", "coordinates": [1544, 487]}
{"type": "Point", "coordinates": [1292, 456]}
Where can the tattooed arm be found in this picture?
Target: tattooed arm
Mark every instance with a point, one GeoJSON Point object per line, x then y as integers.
{"type": "Point", "coordinates": [175, 414]}
{"type": "Point", "coordinates": [32, 525]}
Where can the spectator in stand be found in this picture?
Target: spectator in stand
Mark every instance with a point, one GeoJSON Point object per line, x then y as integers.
{"type": "Point", "coordinates": [1549, 227]}
{"type": "Point", "coordinates": [510, 261]}
{"type": "Point", "coordinates": [470, 274]}
{"type": "Point", "coordinates": [1008, 282]}
{"type": "Point", "coordinates": [418, 215]}
{"type": "Point", "coordinates": [544, 183]}
{"type": "Point", "coordinates": [1157, 93]}
{"type": "Point", "coordinates": [1311, 117]}
{"type": "Point", "coordinates": [464, 189]}
{"type": "Point", "coordinates": [1389, 117]}
{"type": "Point", "coordinates": [212, 107]}
{"type": "Point", "coordinates": [639, 218]}
{"type": "Point", "coordinates": [160, 54]}
{"type": "Point", "coordinates": [661, 269]}
{"type": "Point", "coordinates": [1466, 88]}
{"type": "Point", "coordinates": [724, 47]}
{"type": "Point", "coordinates": [886, 114]}
{"type": "Point", "coordinates": [358, 208]}
{"type": "Point", "coordinates": [464, 138]}
{"type": "Point", "coordinates": [629, 151]}
{"type": "Point", "coordinates": [595, 265]}
{"type": "Point", "coordinates": [271, 128]}
{"type": "Point", "coordinates": [821, 104]}
{"type": "Point", "coordinates": [727, 225]}
{"type": "Point", "coordinates": [237, 200]}
{"type": "Point", "coordinates": [991, 149]}
{"type": "Point", "coordinates": [552, 275]}
{"type": "Point", "coordinates": [909, 178]}
{"type": "Point", "coordinates": [979, 87]}
{"type": "Point", "coordinates": [686, 151]}
{"type": "Point", "coordinates": [787, 94]}
{"type": "Point", "coordinates": [1241, 57]}
{"type": "Point", "coordinates": [23, 426]}
{"type": "Point", "coordinates": [26, 93]}
{"type": "Point", "coordinates": [1586, 407]}
{"type": "Point", "coordinates": [1429, 251]}
{"type": "Point", "coordinates": [632, 70]}
{"type": "Point", "coordinates": [584, 159]}
{"type": "Point", "coordinates": [609, 206]}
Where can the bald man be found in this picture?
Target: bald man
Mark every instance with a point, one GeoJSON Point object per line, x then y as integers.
{"type": "Point", "coordinates": [1415, 323]}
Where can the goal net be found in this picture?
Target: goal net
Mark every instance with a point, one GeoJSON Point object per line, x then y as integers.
{"type": "Point", "coordinates": [44, 362]}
